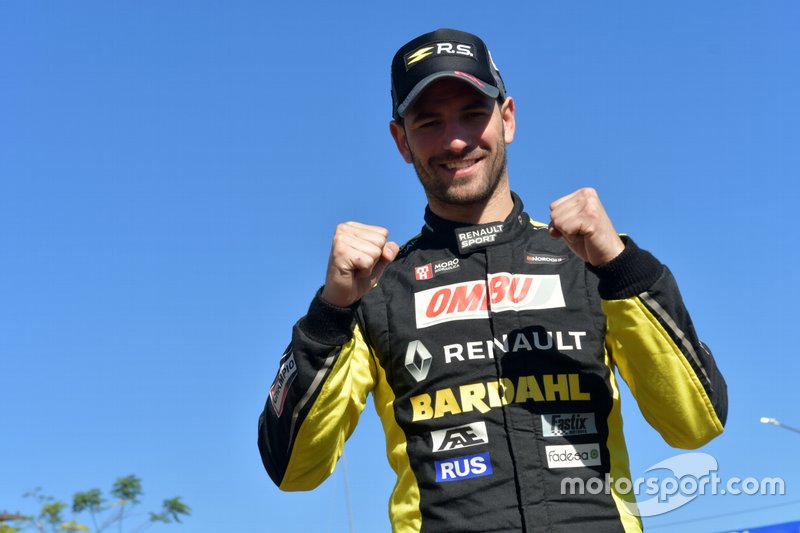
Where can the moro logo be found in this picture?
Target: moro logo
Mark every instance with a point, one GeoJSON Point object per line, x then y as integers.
{"type": "Point", "coordinates": [418, 360]}
{"type": "Point", "coordinates": [423, 272]}
{"type": "Point", "coordinates": [432, 269]}
{"type": "Point", "coordinates": [459, 437]}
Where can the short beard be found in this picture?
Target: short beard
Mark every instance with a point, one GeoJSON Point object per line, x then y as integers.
{"type": "Point", "coordinates": [443, 193]}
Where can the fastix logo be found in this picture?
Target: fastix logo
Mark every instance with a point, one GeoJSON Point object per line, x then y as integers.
{"type": "Point", "coordinates": [573, 455]}
{"type": "Point", "coordinates": [430, 50]}
{"type": "Point", "coordinates": [280, 387]}
{"type": "Point", "coordinates": [567, 425]}
{"type": "Point", "coordinates": [501, 292]}
{"type": "Point", "coordinates": [459, 437]}
{"type": "Point", "coordinates": [432, 269]}
{"type": "Point", "coordinates": [464, 467]}
{"type": "Point", "coordinates": [544, 259]}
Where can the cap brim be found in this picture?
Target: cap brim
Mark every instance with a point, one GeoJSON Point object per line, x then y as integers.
{"type": "Point", "coordinates": [481, 86]}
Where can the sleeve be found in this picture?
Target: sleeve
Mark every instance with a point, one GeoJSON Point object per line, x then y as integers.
{"type": "Point", "coordinates": [652, 341]}
{"type": "Point", "coordinates": [317, 397]}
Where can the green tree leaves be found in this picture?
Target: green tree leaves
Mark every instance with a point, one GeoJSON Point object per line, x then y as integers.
{"type": "Point", "coordinates": [127, 492]}
{"type": "Point", "coordinates": [127, 489]}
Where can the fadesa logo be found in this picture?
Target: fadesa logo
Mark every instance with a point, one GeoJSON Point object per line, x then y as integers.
{"type": "Point", "coordinates": [459, 437]}
{"type": "Point", "coordinates": [472, 299]}
{"type": "Point", "coordinates": [572, 455]}
{"type": "Point", "coordinates": [436, 49]}
{"type": "Point", "coordinates": [566, 425]}
{"type": "Point", "coordinates": [280, 387]}
{"type": "Point", "coordinates": [464, 467]}
{"type": "Point", "coordinates": [432, 269]}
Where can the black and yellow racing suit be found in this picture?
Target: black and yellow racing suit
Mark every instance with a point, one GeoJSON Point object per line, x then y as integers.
{"type": "Point", "coordinates": [490, 353]}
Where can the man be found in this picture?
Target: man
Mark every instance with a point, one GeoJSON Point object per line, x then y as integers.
{"type": "Point", "coordinates": [489, 341]}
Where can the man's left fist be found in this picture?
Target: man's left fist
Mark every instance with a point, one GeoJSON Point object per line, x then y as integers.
{"type": "Point", "coordinates": [579, 219]}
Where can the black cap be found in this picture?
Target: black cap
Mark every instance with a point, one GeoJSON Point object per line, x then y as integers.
{"type": "Point", "coordinates": [442, 54]}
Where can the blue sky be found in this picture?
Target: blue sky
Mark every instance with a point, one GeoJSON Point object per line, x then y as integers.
{"type": "Point", "coordinates": [171, 174]}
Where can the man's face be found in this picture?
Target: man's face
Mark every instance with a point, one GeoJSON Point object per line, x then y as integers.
{"type": "Point", "coordinates": [456, 137]}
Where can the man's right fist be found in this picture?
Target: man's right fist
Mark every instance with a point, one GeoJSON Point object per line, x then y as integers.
{"type": "Point", "coordinates": [359, 255]}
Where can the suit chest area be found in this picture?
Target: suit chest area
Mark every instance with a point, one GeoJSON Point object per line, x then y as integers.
{"type": "Point", "coordinates": [496, 361]}
{"type": "Point", "coordinates": [522, 314]}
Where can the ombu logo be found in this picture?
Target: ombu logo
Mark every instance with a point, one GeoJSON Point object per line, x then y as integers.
{"type": "Point", "coordinates": [473, 299]}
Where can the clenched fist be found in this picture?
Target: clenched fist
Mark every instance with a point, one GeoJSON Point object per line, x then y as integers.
{"type": "Point", "coordinates": [579, 219]}
{"type": "Point", "coordinates": [359, 255]}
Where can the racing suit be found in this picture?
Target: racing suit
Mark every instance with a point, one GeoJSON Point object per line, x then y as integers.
{"type": "Point", "coordinates": [490, 352]}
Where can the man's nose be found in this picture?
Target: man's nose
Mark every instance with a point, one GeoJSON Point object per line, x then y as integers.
{"type": "Point", "coordinates": [456, 137]}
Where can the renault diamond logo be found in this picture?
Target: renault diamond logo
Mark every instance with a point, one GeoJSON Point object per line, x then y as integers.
{"type": "Point", "coordinates": [418, 360]}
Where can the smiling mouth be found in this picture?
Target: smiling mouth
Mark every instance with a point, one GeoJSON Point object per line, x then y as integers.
{"type": "Point", "coordinates": [460, 164]}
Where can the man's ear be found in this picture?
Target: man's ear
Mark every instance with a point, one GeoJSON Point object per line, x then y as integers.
{"type": "Point", "coordinates": [509, 122]}
{"type": "Point", "coordinates": [399, 135]}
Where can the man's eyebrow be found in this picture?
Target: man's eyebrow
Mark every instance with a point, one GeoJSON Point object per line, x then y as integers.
{"type": "Point", "coordinates": [424, 116]}
{"type": "Point", "coordinates": [478, 103]}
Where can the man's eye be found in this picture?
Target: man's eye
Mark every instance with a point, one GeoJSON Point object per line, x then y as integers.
{"type": "Point", "coordinates": [475, 115]}
{"type": "Point", "coordinates": [428, 124]}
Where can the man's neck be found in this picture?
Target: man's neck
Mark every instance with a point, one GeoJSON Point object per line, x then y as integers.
{"type": "Point", "coordinates": [494, 209]}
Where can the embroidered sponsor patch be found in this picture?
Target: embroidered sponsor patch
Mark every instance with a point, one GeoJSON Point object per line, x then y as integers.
{"type": "Point", "coordinates": [477, 236]}
{"type": "Point", "coordinates": [436, 49]}
{"type": "Point", "coordinates": [280, 387]}
{"type": "Point", "coordinates": [573, 455]}
{"type": "Point", "coordinates": [432, 269]}
{"type": "Point", "coordinates": [536, 258]}
{"type": "Point", "coordinates": [459, 437]}
{"type": "Point", "coordinates": [464, 467]}
{"type": "Point", "coordinates": [568, 424]}
{"type": "Point", "coordinates": [418, 360]}
{"type": "Point", "coordinates": [473, 299]}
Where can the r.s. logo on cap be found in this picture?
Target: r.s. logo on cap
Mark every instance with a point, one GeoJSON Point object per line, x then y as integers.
{"type": "Point", "coordinates": [436, 49]}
